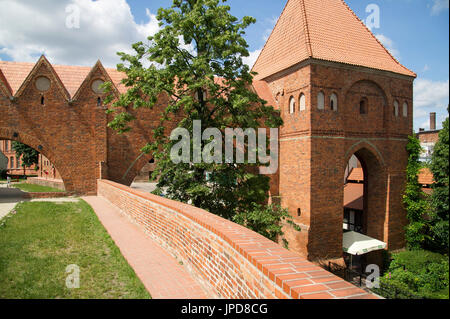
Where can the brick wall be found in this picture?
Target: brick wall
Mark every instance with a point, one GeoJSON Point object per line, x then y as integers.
{"type": "Point", "coordinates": [226, 258]}
{"type": "Point", "coordinates": [59, 184]}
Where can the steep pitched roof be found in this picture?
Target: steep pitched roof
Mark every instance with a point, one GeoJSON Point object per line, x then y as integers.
{"type": "Point", "coordinates": [16, 73]}
{"type": "Point", "coordinates": [4, 86]}
{"type": "Point", "coordinates": [326, 30]}
{"type": "Point", "coordinates": [425, 176]}
{"type": "Point", "coordinates": [354, 196]}
{"type": "Point", "coordinates": [357, 175]}
{"type": "Point", "coordinates": [71, 77]}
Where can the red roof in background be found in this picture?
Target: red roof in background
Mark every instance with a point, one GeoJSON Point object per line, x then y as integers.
{"type": "Point", "coordinates": [15, 73]}
{"type": "Point", "coordinates": [72, 77]}
{"type": "Point", "coordinates": [326, 30]}
{"type": "Point", "coordinates": [357, 175]}
{"type": "Point", "coordinates": [263, 91]}
{"type": "Point", "coordinates": [354, 196]}
{"type": "Point", "coordinates": [425, 176]}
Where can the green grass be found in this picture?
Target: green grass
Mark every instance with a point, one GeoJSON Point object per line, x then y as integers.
{"type": "Point", "coordinates": [32, 188]}
{"type": "Point", "coordinates": [42, 239]}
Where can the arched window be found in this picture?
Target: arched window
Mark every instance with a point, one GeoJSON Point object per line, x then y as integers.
{"type": "Point", "coordinates": [11, 162]}
{"type": "Point", "coordinates": [395, 108]}
{"type": "Point", "coordinates": [363, 106]}
{"type": "Point", "coordinates": [333, 102]}
{"type": "Point", "coordinates": [42, 100]}
{"type": "Point", "coordinates": [302, 102]}
{"type": "Point", "coordinates": [17, 162]}
{"type": "Point", "coordinates": [405, 109]}
{"type": "Point", "coordinates": [99, 101]}
{"type": "Point", "coordinates": [320, 101]}
{"type": "Point", "coordinates": [291, 105]}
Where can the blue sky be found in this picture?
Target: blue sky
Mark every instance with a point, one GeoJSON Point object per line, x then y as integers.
{"type": "Point", "coordinates": [415, 31]}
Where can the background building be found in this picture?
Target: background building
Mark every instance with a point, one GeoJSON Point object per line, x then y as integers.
{"type": "Point", "coordinates": [428, 139]}
{"type": "Point", "coordinates": [14, 164]}
{"type": "Point", "coordinates": [44, 169]}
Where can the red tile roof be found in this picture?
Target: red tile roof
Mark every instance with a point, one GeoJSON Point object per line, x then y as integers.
{"type": "Point", "coordinates": [326, 30]}
{"type": "Point", "coordinates": [15, 73]}
{"type": "Point", "coordinates": [264, 92]}
{"type": "Point", "coordinates": [354, 196]}
{"type": "Point", "coordinates": [72, 77]}
{"type": "Point", "coordinates": [425, 177]}
{"type": "Point", "coordinates": [357, 175]}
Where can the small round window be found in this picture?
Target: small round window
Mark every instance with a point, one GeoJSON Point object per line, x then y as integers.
{"type": "Point", "coordinates": [96, 86]}
{"type": "Point", "coordinates": [42, 84]}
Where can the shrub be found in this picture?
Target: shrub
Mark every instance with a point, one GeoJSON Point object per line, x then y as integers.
{"type": "Point", "coordinates": [419, 273]}
{"type": "Point", "coordinates": [267, 220]}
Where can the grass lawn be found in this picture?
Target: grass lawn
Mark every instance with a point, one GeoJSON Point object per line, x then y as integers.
{"type": "Point", "coordinates": [32, 188]}
{"type": "Point", "coordinates": [42, 239]}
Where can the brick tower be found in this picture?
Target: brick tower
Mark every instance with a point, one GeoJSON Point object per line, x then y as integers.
{"type": "Point", "coordinates": [340, 93]}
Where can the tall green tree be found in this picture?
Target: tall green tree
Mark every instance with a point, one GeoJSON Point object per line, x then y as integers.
{"type": "Point", "coordinates": [197, 61]}
{"type": "Point", "coordinates": [415, 200]}
{"type": "Point", "coordinates": [28, 155]}
{"type": "Point", "coordinates": [439, 199]}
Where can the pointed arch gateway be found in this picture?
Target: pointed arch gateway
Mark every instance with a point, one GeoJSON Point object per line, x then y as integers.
{"type": "Point", "coordinates": [42, 147]}
{"type": "Point", "coordinates": [365, 197]}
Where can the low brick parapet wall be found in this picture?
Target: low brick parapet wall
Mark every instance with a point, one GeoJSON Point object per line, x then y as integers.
{"type": "Point", "coordinates": [32, 195]}
{"type": "Point", "coordinates": [59, 184]}
{"type": "Point", "coordinates": [228, 259]}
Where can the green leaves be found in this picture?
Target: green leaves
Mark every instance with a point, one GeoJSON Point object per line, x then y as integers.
{"type": "Point", "coordinates": [439, 199]}
{"type": "Point", "coordinates": [428, 216]}
{"type": "Point", "coordinates": [28, 154]}
{"type": "Point", "coordinates": [415, 200]}
{"type": "Point", "coordinates": [266, 220]}
{"type": "Point", "coordinates": [196, 65]}
{"type": "Point", "coordinates": [419, 273]}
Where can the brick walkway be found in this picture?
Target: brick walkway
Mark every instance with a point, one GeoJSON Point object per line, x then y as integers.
{"type": "Point", "coordinates": [160, 273]}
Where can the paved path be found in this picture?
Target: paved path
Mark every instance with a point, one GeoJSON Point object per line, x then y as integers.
{"type": "Point", "coordinates": [9, 197]}
{"type": "Point", "coordinates": [160, 273]}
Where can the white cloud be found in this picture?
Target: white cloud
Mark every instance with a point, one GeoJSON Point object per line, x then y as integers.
{"type": "Point", "coordinates": [250, 60]}
{"type": "Point", "coordinates": [105, 27]}
{"type": "Point", "coordinates": [430, 96]}
{"type": "Point", "coordinates": [271, 24]}
{"type": "Point", "coordinates": [389, 44]}
{"type": "Point", "coordinates": [439, 6]}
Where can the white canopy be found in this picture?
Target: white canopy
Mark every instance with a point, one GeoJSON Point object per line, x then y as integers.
{"type": "Point", "coordinates": [358, 244]}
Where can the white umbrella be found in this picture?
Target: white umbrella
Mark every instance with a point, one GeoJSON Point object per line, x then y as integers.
{"type": "Point", "coordinates": [358, 244]}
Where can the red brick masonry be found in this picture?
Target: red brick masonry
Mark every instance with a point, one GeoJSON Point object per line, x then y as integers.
{"type": "Point", "coordinates": [31, 195]}
{"type": "Point", "coordinates": [232, 260]}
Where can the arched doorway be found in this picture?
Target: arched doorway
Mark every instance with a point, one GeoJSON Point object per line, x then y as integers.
{"type": "Point", "coordinates": [48, 163]}
{"type": "Point", "coordinates": [364, 202]}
